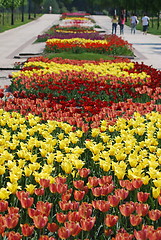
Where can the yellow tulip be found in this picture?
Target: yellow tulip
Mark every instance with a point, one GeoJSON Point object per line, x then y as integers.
{"type": "Point", "coordinates": [27, 171]}
{"type": "Point", "coordinates": [67, 167]}
{"type": "Point", "coordinates": [30, 188]}
{"type": "Point", "coordinates": [2, 170]}
{"type": "Point", "coordinates": [4, 194]}
{"type": "Point", "coordinates": [13, 187]}
{"type": "Point", "coordinates": [155, 192]}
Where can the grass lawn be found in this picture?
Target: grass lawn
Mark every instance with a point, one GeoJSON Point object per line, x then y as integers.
{"type": "Point", "coordinates": [80, 56]}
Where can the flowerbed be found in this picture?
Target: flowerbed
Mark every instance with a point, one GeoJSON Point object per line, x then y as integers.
{"type": "Point", "coordinates": [81, 151]}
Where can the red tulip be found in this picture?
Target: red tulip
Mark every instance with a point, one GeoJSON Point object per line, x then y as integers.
{"type": "Point", "coordinates": [74, 205]}
{"type": "Point", "coordinates": [64, 205]}
{"type": "Point", "coordinates": [44, 183]}
{"type": "Point", "coordinates": [22, 194]}
{"type": "Point", "coordinates": [73, 216]}
{"type": "Point", "coordinates": [142, 209]}
{"type": "Point", "coordinates": [53, 187]}
{"type": "Point", "coordinates": [79, 184]}
{"type": "Point", "coordinates": [154, 215]}
{"type": "Point", "coordinates": [79, 195]}
{"type": "Point", "coordinates": [123, 236]}
{"type": "Point", "coordinates": [107, 189]}
{"type": "Point", "coordinates": [113, 200]}
{"type": "Point", "coordinates": [140, 235]}
{"type": "Point", "coordinates": [14, 236]}
{"type": "Point", "coordinates": [93, 181]}
{"type": "Point", "coordinates": [122, 193]}
{"type": "Point", "coordinates": [52, 227]}
{"type": "Point", "coordinates": [39, 191]}
{"type": "Point", "coordinates": [11, 220]}
{"type": "Point", "coordinates": [45, 237]}
{"type": "Point", "coordinates": [74, 228]}
{"type": "Point", "coordinates": [107, 179]}
{"type": "Point", "coordinates": [66, 196]}
{"type": "Point", "coordinates": [126, 209]}
{"type": "Point", "coordinates": [33, 212]}
{"type": "Point", "coordinates": [111, 220]}
{"type": "Point", "coordinates": [13, 210]}
{"type": "Point", "coordinates": [142, 196]}
{"type": "Point", "coordinates": [2, 224]}
{"type": "Point", "coordinates": [64, 233]}
{"type": "Point", "coordinates": [135, 220]}
{"type": "Point", "coordinates": [102, 205]}
{"type": "Point", "coordinates": [84, 172]}
{"type": "Point", "coordinates": [159, 200]}
{"type": "Point", "coordinates": [3, 205]}
{"type": "Point", "coordinates": [61, 188]}
{"type": "Point", "coordinates": [27, 202]}
{"type": "Point", "coordinates": [97, 191]}
{"type": "Point", "coordinates": [85, 210]}
{"type": "Point", "coordinates": [87, 223]}
{"type": "Point", "coordinates": [40, 221]}
{"type": "Point", "coordinates": [137, 183]}
{"type": "Point", "coordinates": [44, 207]}
{"type": "Point", "coordinates": [61, 217]}
{"type": "Point", "coordinates": [60, 180]}
{"type": "Point", "coordinates": [26, 229]}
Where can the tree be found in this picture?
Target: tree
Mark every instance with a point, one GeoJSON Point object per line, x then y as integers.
{"type": "Point", "coordinates": [12, 4]}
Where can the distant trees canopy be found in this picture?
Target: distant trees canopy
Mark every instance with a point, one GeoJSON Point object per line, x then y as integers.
{"type": "Point", "coordinates": [152, 8]}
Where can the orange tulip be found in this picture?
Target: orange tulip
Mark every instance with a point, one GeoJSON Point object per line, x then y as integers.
{"type": "Point", "coordinates": [142, 196]}
{"type": "Point", "coordinates": [107, 179]}
{"type": "Point", "coordinates": [123, 236]}
{"type": "Point", "coordinates": [45, 237]}
{"type": "Point", "coordinates": [66, 196]}
{"type": "Point", "coordinates": [33, 212]}
{"type": "Point", "coordinates": [74, 228]}
{"type": "Point", "coordinates": [44, 207]}
{"type": "Point", "coordinates": [11, 220]}
{"type": "Point", "coordinates": [126, 209]}
{"type": "Point", "coordinates": [22, 194]}
{"type": "Point", "coordinates": [87, 223]}
{"type": "Point", "coordinates": [61, 188]}
{"type": "Point", "coordinates": [27, 202]}
{"type": "Point", "coordinates": [40, 221]}
{"type": "Point", "coordinates": [26, 229]}
{"type": "Point", "coordinates": [73, 216]}
{"type": "Point", "coordinates": [97, 191]}
{"type": "Point", "coordinates": [154, 215]}
{"type": "Point", "coordinates": [107, 189]}
{"type": "Point", "coordinates": [159, 200]}
{"type": "Point", "coordinates": [84, 172]}
{"type": "Point", "coordinates": [39, 191]}
{"type": "Point", "coordinates": [79, 184]}
{"type": "Point", "coordinates": [64, 233]}
{"type": "Point", "coordinates": [14, 236]}
{"type": "Point", "coordinates": [85, 210]}
{"type": "Point", "coordinates": [103, 205]}
{"type": "Point", "coordinates": [2, 224]}
{"type": "Point", "coordinates": [113, 200]}
{"type": "Point", "coordinates": [61, 217]}
{"type": "Point", "coordinates": [64, 205]}
{"type": "Point", "coordinates": [140, 235]}
{"type": "Point", "coordinates": [60, 179]}
{"type": "Point", "coordinates": [44, 183]}
{"type": "Point", "coordinates": [93, 181]}
{"type": "Point", "coordinates": [111, 220]}
{"type": "Point", "coordinates": [135, 220]}
{"type": "Point", "coordinates": [137, 183]}
{"type": "Point", "coordinates": [52, 187]}
{"type": "Point", "coordinates": [122, 193]}
{"type": "Point", "coordinates": [142, 209]}
{"type": "Point", "coordinates": [3, 205]}
{"type": "Point", "coordinates": [79, 195]}
{"type": "Point", "coordinates": [52, 227]}
{"type": "Point", "coordinates": [13, 210]}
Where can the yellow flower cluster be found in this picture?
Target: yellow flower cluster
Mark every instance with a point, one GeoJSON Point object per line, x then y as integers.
{"type": "Point", "coordinates": [77, 18]}
{"type": "Point", "coordinates": [101, 69]}
{"type": "Point", "coordinates": [78, 41]}
{"type": "Point", "coordinates": [130, 148]}
{"type": "Point", "coordinates": [31, 150]}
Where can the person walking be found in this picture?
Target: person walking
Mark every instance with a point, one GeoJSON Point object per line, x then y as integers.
{"type": "Point", "coordinates": [122, 23]}
{"type": "Point", "coordinates": [114, 24]}
{"type": "Point", "coordinates": [134, 22]}
{"type": "Point", "coordinates": [145, 23]}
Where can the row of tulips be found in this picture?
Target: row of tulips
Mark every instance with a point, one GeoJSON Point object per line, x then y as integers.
{"type": "Point", "coordinates": [95, 178]}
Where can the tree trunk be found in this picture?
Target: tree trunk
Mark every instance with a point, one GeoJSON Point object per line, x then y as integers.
{"type": "Point", "coordinates": [22, 11]}
{"type": "Point", "coordinates": [158, 20]}
{"type": "Point", "coordinates": [12, 13]}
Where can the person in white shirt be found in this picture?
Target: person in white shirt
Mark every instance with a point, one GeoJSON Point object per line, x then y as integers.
{"type": "Point", "coordinates": [145, 23]}
{"type": "Point", "coordinates": [134, 21]}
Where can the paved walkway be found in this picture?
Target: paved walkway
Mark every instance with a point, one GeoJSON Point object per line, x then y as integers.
{"type": "Point", "coordinates": [21, 41]}
{"type": "Point", "coordinates": [147, 48]}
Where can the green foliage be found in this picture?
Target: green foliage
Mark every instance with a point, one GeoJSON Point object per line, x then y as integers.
{"type": "Point", "coordinates": [53, 4]}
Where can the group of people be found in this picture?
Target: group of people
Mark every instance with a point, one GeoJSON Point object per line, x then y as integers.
{"type": "Point", "coordinates": [133, 20]}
